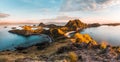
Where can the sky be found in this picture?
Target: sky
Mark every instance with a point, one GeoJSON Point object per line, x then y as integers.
{"type": "Point", "coordinates": [101, 11]}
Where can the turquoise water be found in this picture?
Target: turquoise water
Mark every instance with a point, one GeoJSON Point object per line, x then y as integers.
{"type": "Point", "coordinates": [9, 41]}
{"type": "Point", "coordinates": [110, 34]}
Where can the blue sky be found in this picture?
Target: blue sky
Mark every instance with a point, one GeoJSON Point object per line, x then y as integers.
{"type": "Point", "coordinates": [35, 10]}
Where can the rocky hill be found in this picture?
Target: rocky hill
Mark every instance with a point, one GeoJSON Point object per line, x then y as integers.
{"type": "Point", "coordinates": [76, 24]}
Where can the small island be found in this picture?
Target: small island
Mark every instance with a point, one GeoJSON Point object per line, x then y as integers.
{"type": "Point", "coordinates": [68, 45]}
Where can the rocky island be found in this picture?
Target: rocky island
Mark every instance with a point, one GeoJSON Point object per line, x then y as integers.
{"type": "Point", "coordinates": [69, 45]}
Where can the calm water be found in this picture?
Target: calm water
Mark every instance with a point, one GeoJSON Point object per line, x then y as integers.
{"type": "Point", "coordinates": [8, 40]}
{"type": "Point", "coordinates": [111, 34]}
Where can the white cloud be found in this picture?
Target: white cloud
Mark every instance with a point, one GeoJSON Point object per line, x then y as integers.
{"type": "Point", "coordinates": [2, 15]}
{"type": "Point", "coordinates": [78, 5]}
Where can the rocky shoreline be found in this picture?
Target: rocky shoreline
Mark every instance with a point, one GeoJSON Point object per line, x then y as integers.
{"type": "Point", "coordinates": [76, 48]}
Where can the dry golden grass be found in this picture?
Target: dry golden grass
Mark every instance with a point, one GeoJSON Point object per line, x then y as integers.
{"type": "Point", "coordinates": [73, 57]}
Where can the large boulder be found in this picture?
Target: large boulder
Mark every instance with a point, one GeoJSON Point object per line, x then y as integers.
{"type": "Point", "coordinates": [75, 24]}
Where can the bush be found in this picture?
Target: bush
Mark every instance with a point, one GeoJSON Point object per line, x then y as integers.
{"type": "Point", "coordinates": [73, 57]}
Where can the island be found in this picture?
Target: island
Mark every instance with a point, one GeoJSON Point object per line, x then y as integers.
{"type": "Point", "coordinates": [68, 45]}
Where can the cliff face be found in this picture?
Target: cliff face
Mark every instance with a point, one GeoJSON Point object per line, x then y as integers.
{"type": "Point", "coordinates": [75, 24]}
